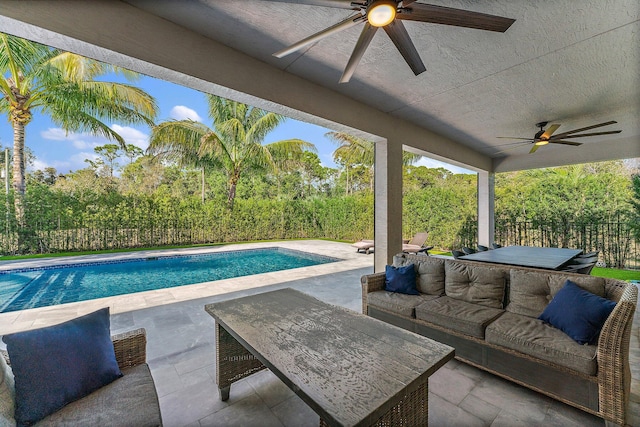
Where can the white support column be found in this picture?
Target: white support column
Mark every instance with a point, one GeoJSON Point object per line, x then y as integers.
{"type": "Point", "coordinates": [486, 208]}
{"type": "Point", "coordinates": [387, 203]}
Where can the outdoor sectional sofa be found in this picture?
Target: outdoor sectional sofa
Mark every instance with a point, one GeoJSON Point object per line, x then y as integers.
{"type": "Point", "coordinates": [489, 314]}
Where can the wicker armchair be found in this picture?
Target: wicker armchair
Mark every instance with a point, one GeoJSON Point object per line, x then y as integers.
{"type": "Point", "coordinates": [130, 400]}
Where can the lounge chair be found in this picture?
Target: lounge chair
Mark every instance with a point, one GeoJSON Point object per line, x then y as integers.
{"type": "Point", "coordinates": [416, 244]}
{"type": "Point", "coordinates": [364, 245]}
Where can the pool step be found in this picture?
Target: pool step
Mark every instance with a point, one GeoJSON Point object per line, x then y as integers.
{"type": "Point", "coordinates": [43, 290]}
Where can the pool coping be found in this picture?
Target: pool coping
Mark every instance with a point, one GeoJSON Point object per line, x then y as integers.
{"type": "Point", "coordinates": [21, 320]}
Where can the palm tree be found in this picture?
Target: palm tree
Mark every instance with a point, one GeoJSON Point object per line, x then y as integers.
{"type": "Point", "coordinates": [357, 151]}
{"type": "Point", "coordinates": [37, 78]}
{"type": "Point", "coordinates": [234, 144]}
{"type": "Point", "coordinates": [180, 141]}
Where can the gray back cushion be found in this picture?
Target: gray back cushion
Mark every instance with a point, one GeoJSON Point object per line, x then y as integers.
{"type": "Point", "coordinates": [429, 273]}
{"type": "Point", "coordinates": [531, 291]}
{"type": "Point", "coordinates": [474, 284]}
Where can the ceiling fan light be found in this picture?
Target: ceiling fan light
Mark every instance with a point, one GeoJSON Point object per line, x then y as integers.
{"type": "Point", "coordinates": [381, 13]}
{"type": "Point", "coordinates": [541, 142]}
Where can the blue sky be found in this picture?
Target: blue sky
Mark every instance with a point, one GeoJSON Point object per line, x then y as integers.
{"type": "Point", "coordinates": [66, 152]}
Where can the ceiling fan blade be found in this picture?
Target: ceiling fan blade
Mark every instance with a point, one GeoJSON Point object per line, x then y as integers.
{"type": "Point", "coordinates": [339, 4]}
{"type": "Point", "coordinates": [565, 142]}
{"type": "Point", "coordinates": [347, 23]}
{"type": "Point", "coordinates": [514, 143]}
{"type": "Point", "coordinates": [361, 45]}
{"type": "Point", "coordinates": [590, 134]}
{"type": "Point", "coordinates": [406, 3]}
{"type": "Point", "coordinates": [534, 148]}
{"type": "Point", "coordinates": [550, 130]}
{"type": "Point", "coordinates": [398, 34]}
{"type": "Point", "coordinates": [561, 135]}
{"type": "Point", "coordinates": [511, 148]}
{"type": "Point", "coordinates": [457, 17]}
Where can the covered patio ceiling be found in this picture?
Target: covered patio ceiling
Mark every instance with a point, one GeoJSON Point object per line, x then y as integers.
{"type": "Point", "coordinates": [576, 63]}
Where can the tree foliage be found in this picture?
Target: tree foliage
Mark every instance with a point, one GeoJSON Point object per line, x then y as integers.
{"type": "Point", "coordinates": [234, 144]}
{"type": "Point", "coordinates": [38, 79]}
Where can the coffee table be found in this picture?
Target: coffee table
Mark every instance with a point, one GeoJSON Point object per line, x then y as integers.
{"type": "Point", "coordinates": [351, 369]}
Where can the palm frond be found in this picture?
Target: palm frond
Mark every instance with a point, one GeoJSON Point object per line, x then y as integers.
{"type": "Point", "coordinates": [79, 121]}
{"type": "Point", "coordinates": [20, 56]}
{"type": "Point", "coordinates": [178, 140]}
{"type": "Point", "coordinates": [352, 149]}
{"type": "Point", "coordinates": [106, 101]}
{"type": "Point", "coordinates": [262, 125]}
{"type": "Point", "coordinates": [288, 154]}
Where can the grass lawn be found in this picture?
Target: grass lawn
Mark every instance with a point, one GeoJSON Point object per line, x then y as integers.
{"type": "Point", "coordinates": [616, 274]}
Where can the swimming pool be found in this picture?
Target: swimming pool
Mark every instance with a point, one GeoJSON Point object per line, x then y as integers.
{"type": "Point", "coordinates": [40, 287]}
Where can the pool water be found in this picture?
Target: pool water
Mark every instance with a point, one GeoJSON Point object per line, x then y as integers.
{"type": "Point", "coordinates": [31, 288]}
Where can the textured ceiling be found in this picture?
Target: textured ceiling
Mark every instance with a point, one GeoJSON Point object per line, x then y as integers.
{"type": "Point", "coordinates": [572, 62]}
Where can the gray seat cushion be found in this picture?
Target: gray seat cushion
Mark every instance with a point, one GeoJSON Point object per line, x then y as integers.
{"type": "Point", "coordinates": [530, 291]}
{"type": "Point", "coordinates": [429, 273]}
{"type": "Point", "coordinates": [394, 302]}
{"type": "Point", "coordinates": [128, 401]}
{"type": "Point", "coordinates": [475, 284]}
{"type": "Point", "coordinates": [464, 317]}
{"type": "Point", "coordinates": [535, 338]}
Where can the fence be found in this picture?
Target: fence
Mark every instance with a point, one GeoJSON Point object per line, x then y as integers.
{"type": "Point", "coordinates": [132, 225]}
{"type": "Point", "coordinates": [614, 239]}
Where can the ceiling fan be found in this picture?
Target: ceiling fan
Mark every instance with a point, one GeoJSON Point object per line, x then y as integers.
{"type": "Point", "coordinates": [544, 137]}
{"type": "Point", "coordinates": [389, 15]}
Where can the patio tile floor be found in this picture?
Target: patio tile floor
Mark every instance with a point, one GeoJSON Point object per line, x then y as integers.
{"type": "Point", "coordinates": [181, 356]}
{"type": "Point", "coordinates": [181, 351]}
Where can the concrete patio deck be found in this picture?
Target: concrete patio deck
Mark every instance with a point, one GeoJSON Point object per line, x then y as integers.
{"type": "Point", "coordinates": [181, 351]}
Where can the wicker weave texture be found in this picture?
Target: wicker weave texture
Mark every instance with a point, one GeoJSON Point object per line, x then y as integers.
{"type": "Point", "coordinates": [233, 361]}
{"type": "Point", "coordinates": [614, 374]}
{"type": "Point", "coordinates": [130, 348]}
{"type": "Point", "coordinates": [412, 410]}
{"type": "Point", "coordinates": [371, 283]}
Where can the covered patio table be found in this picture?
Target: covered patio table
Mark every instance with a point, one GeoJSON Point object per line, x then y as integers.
{"type": "Point", "coordinates": [526, 256]}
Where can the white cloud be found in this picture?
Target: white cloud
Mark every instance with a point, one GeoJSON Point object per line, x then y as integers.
{"type": "Point", "coordinates": [84, 145]}
{"type": "Point", "coordinates": [56, 134]}
{"type": "Point", "coordinates": [81, 141]}
{"type": "Point", "coordinates": [38, 165]}
{"type": "Point", "coordinates": [180, 112]}
{"type": "Point", "coordinates": [86, 141]}
{"type": "Point", "coordinates": [132, 136]}
{"type": "Point", "coordinates": [77, 161]}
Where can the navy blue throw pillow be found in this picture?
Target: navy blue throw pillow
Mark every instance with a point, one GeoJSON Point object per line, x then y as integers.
{"type": "Point", "coordinates": [401, 279]}
{"type": "Point", "coordinates": [56, 365]}
{"type": "Point", "coordinates": [578, 313]}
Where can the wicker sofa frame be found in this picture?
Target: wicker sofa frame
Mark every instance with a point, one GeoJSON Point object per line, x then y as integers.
{"type": "Point", "coordinates": [605, 394]}
{"type": "Point", "coordinates": [130, 349]}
